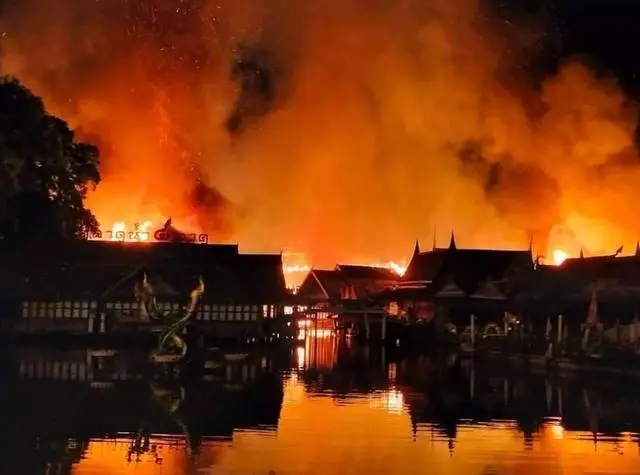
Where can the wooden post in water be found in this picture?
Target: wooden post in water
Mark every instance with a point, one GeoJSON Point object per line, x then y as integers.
{"type": "Point", "coordinates": [560, 327]}
{"type": "Point", "coordinates": [505, 391]}
{"type": "Point", "coordinates": [367, 327]}
{"type": "Point", "coordinates": [472, 329]}
{"type": "Point", "coordinates": [472, 381]}
{"type": "Point", "coordinates": [103, 318]}
{"type": "Point", "coordinates": [559, 396]}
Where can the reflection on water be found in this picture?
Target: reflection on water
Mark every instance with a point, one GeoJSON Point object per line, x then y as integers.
{"type": "Point", "coordinates": [323, 407]}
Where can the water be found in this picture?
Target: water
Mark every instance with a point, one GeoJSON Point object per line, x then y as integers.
{"type": "Point", "coordinates": [318, 409]}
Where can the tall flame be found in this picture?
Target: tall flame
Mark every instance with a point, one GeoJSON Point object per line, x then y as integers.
{"type": "Point", "coordinates": [338, 128]}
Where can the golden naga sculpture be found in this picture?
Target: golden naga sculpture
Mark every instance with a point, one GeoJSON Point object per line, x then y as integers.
{"type": "Point", "coordinates": [147, 307]}
{"type": "Point", "coordinates": [171, 346]}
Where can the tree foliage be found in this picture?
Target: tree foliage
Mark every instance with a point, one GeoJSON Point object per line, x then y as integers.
{"type": "Point", "coordinates": [44, 172]}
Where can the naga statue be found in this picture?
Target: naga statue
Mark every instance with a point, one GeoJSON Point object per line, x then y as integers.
{"type": "Point", "coordinates": [147, 305]}
{"type": "Point", "coordinates": [146, 314]}
{"type": "Point", "coordinates": [171, 400]}
{"type": "Point", "coordinates": [171, 346]}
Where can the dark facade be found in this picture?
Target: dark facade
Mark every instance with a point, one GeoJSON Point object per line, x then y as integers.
{"type": "Point", "coordinates": [346, 283]}
{"type": "Point", "coordinates": [612, 281]}
{"type": "Point", "coordinates": [456, 282]}
{"type": "Point", "coordinates": [68, 287]}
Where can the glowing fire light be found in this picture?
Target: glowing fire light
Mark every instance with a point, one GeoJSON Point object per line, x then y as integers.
{"type": "Point", "coordinates": [399, 269]}
{"type": "Point", "coordinates": [295, 273]}
{"type": "Point", "coordinates": [559, 256]}
{"type": "Point", "coordinates": [139, 232]}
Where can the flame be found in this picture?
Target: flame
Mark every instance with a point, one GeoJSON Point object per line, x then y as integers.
{"type": "Point", "coordinates": [172, 101]}
{"type": "Point", "coordinates": [559, 256]}
{"type": "Point", "coordinates": [138, 232]}
{"type": "Point", "coordinates": [296, 272]}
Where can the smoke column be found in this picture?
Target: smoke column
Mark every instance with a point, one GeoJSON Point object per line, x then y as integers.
{"type": "Point", "coordinates": [345, 130]}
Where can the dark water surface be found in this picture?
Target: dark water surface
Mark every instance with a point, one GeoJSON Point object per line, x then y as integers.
{"type": "Point", "coordinates": [317, 409]}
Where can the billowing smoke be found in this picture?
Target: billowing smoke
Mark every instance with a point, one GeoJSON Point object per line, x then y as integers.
{"type": "Point", "coordinates": [342, 129]}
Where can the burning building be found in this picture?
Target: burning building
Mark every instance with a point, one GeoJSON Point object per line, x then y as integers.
{"type": "Point", "coordinates": [231, 116]}
{"type": "Point", "coordinates": [85, 286]}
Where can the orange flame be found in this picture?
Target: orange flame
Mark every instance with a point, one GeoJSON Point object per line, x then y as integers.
{"type": "Point", "coordinates": [559, 256]}
{"type": "Point", "coordinates": [139, 232]}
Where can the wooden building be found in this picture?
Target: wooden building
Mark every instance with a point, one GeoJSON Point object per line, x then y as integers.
{"type": "Point", "coordinates": [88, 286]}
{"type": "Point", "coordinates": [345, 285]}
{"type": "Point", "coordinates": [612, 281]}
{"type": "Point", "coordinates": [453, 283]}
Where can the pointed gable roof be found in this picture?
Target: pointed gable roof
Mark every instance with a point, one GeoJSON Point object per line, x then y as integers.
{"type": "Point", "coordinates": [425, 266]}
{"type": "Point", "coordinates": [452, 241]}
{"type": "Point", "coordinates": [470, 269]}
{"type": "Point", "coordinates": [488, 291]}
{"type": "Point", "coordinates": [450, 289]}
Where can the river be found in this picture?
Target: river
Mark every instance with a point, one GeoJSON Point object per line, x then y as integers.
{"type": "Point", "coordinates": [320, 408]}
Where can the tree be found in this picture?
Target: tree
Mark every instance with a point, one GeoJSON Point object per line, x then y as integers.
{"type": "Point", "coordinates": [44, 172]}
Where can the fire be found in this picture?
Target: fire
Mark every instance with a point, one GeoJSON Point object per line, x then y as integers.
{"type": "Point", "coordinates": [119, 231]}
{"type": "Point", "coordinates": [399, 269]}
{"type": "Point", "coordinates": [296, 272]}
{"type": "Point", "coordinates": [559, 256]}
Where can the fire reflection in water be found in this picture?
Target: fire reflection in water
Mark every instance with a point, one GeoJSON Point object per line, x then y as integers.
{"type": "Point", "coordinates": [394, 401]}
{"type": "Point", "coordinates": [319, 349]}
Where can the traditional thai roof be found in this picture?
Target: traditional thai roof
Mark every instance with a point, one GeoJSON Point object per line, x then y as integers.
{"type": "Point", "coordinates": [172, 269]}
{"type": "Point", "coordinates": [424, 266]}
{"type": "Point", "coordinates": [469, 270]}
{"type": "Point", "coordinates": [346, 282]}
{"type": "Point", "coordinates": [350, 272]}
{"type": "Point", "coordinates": [115, 253]}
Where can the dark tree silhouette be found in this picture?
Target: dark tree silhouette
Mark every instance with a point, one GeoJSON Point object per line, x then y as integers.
{"type": "Point", "coordinates": [44, 173]}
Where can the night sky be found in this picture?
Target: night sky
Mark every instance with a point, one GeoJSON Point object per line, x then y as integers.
{"type": "Point", "coordinates": [606, 31]}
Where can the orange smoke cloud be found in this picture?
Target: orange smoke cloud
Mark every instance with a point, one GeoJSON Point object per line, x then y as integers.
{"type": "Point", "coordinates": [342, 129]}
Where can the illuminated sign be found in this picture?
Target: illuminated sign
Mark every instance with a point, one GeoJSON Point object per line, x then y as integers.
{"type": "Point", "coordinates": [172, 235]}
{"type": "Point", "coordinates": [161, 235]}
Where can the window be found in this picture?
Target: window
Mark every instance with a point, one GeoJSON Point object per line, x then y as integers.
{"type": "Point", "coordinates": [25, 309]}
{"type": "Point", "coordinates": [223, 312]}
